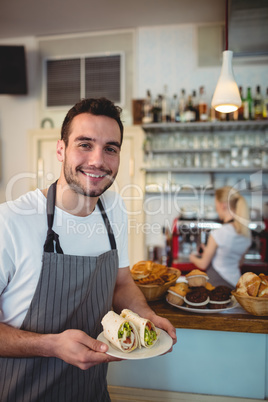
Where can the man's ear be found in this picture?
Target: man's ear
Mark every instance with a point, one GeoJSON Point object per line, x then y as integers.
{"type": "Point", "coordinates": [60, 150]}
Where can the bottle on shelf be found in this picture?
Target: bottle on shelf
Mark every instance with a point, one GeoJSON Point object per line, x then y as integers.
{"type": "Point", "coordinates": [157, 109]}
{"type": "Point", "coordinates": [165, 105]}
{"type": "Point", "coordinates": [241, 108]}
{"type": "Point", "coordinates": [248, 106]}
{"type": "Point", "coordinates": [202, 105]}
{"type": "Point", "coordinates": [195, 105]}
{"type": "Point", "coordinates": [174, 108]}
{"type": "Point", "coordinates": [190, 114]}
{"type": "Point", "coordinates": [147, 108]}
{"type": "Point", "coordinates": [265, 106]}
{"type": "Point", "coordinates": [258, 104]}
{"type": "Point", "coordinates": [182, 106]}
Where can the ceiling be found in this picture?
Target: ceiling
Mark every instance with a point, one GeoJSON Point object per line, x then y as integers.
{"type": "Point", "coordinates": [54, 17]}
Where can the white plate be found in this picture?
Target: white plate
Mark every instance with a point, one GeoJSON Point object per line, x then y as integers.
{"type": "Point", "coordinates": [231, 305]}
{"type": "Point", "coordinates": [163, 344]}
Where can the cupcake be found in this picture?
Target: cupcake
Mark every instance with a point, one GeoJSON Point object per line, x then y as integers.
{"type": "Point", "coordinates": [197, 278]}
{"type": "Point", "coordinates": [176, 293]}
{"type": "Point", "coordinates": [220, 297]}
{"type": "Point", "coordinates": [197, 298]}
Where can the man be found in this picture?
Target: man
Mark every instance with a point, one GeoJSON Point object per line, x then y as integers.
{"type": "Point", "coordinates": [64, 265]}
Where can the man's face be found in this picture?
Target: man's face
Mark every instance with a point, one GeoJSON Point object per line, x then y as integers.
{"type": "Point", "coordinates": [91, 159]}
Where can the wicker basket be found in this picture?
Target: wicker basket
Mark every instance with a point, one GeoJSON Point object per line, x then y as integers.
{"type": "Point", "coordinates": [253, 305]}
{"type": "Point", "coordinates": [157, 292]}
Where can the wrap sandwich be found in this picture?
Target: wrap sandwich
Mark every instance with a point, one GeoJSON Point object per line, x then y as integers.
{"type": "Point", "coordinates": [120, 332]}
{"type": "Point", "coordinates": [147, 330]}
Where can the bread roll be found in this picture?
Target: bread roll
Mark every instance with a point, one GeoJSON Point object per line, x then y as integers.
{"type": "Point", "coordinates": [263, 289]}
{"type": "Point", "coordinates": [248, 284]}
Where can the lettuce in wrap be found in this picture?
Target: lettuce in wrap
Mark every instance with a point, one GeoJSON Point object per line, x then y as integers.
{"type": "Point", "coordinates": [120, 332]}
{"type": "Point", "coordinates": [147, 330]}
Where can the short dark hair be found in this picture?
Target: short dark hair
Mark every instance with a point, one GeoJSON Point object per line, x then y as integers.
{"type": "Point", "coordinates": [97, 107]}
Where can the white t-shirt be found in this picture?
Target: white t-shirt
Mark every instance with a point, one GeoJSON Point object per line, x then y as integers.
{"type": "Point", "coordinates": [231, 247]}
{"type": "Point", "coordinates": [23, 225]}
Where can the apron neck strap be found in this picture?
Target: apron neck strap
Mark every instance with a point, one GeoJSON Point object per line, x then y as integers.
{"type": "Point", "coordinates": [52, 237]}
{"type": "Point", "coordinates": [107, 225]}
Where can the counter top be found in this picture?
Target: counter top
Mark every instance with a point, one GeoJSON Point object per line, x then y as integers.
{"type": "Point", "coordinates": [235, 320]}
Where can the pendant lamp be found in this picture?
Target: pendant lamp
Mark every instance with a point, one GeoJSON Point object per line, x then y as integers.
{"type": "Point", "coordinates": [226, 98]}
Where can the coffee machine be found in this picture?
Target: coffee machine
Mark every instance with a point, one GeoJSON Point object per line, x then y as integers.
{"type": "Point", "coordinates": [187, 237]}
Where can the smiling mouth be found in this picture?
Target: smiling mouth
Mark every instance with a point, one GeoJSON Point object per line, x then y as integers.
{"type": "Point", "coordinates": [95, 176]}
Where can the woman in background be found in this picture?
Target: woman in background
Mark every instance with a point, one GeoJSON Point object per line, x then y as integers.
{"type": "Point", "coordinates": [222, 256]}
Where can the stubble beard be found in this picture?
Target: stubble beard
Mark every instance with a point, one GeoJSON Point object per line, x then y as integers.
{"type": "Point", "coordinates": [74, 183]}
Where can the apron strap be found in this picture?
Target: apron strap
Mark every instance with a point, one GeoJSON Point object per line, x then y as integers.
{"type": "Point", "coordinates": [51, 235]}
{"type": "Point", "coordinates": [107, 224]}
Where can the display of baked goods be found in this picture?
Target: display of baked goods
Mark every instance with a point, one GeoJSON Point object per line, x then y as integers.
{"type": "Point", "coordinates": [149, 272]}
{"type": "Point", "coordinates": [251, 284]}
{"type": "Point", "coordinates": [196, 277]}
{"type": "Point", "coordinates": [251, 292]}
{"type": "Point", "coordinates": [200, 297]}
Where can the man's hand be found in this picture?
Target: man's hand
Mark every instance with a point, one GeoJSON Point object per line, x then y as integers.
{"type": "Point", "coordinates": [77, 348]}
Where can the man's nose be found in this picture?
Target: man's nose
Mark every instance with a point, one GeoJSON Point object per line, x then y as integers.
{"type": "Point", "coordinates": [96, 157]}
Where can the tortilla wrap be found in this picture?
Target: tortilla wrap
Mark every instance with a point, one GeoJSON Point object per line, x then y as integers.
{"type": "Point", "coordinates": [140, 323]}
{"type": "Point", "coordinates": [113, 323]}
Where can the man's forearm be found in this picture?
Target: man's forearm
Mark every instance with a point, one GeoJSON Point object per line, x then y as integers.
{"type": "Point", "coordinates": [18, 343]}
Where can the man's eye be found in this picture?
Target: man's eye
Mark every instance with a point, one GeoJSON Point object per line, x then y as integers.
{"type": "Point", "coordinates": [85, 145]}
{"type": "Point", "coordinates": [112, 150]}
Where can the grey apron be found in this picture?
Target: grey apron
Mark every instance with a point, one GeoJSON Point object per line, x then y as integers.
{"type": "Point", "coordinates": [72, 292]}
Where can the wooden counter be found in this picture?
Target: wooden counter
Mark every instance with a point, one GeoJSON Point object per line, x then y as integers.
{"type": "Point", "coordinates": [235, 320]}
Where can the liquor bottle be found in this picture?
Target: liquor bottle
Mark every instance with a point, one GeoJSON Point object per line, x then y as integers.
{"type": "Point", "coordinates": [248, 106]}
{"type": "Point", "coordinates": [202, 105]}
{"type": "Point", "coordinates": [265, 106]}
{"type": "Point", "coordinates": [189, 110]}
{"type": "Point", "coordinates": [241, 109]}
{"type": "Point", "coordinates": [157, 109]}
{"type": "Point", "coordinates": [147, 108]}
{"type": "Point", "coordinates": [174, 108]}
{"type": "Point", "coordinates": [165, 105]}
{"type": "Point", "coordinates": [182, 105]}
{"type": "Point", "coordinates": [258, 104]}
{"type": "Point", "coordinates": [195, 105]}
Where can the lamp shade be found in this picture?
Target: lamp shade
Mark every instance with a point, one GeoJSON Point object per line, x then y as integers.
{"type": "Point", "coordinates": [226, 97]}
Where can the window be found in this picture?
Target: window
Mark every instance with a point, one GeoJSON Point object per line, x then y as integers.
{"type": "Point", "coordinates": [68, 80]}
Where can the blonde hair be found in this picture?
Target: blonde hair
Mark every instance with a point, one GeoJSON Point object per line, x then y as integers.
{"type": "Point", "coordinates": [237, 206]}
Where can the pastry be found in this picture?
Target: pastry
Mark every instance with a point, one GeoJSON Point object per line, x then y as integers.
{"type": "Point", "coordinates": [248, 284]}
{"type": "Point", "coordinates": [197, 298]}
{"type": "Point", "coordinates": [176, 293]}
{"type": "Point", "coordinates": [197, 278]}
{"type": "Point", "coordinates": [220, 297]}
{"type": "Point", "coordinates": [263, 289]}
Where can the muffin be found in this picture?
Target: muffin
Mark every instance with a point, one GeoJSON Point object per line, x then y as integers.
{"type": "Point", "coordinates": [177, 292]}
{"type": "Point", "coordinates": [197, 298]}
{"type": "Point", "coordinates": [220, 297]}
{"type": "Point", "coordinates": [197, 278]}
